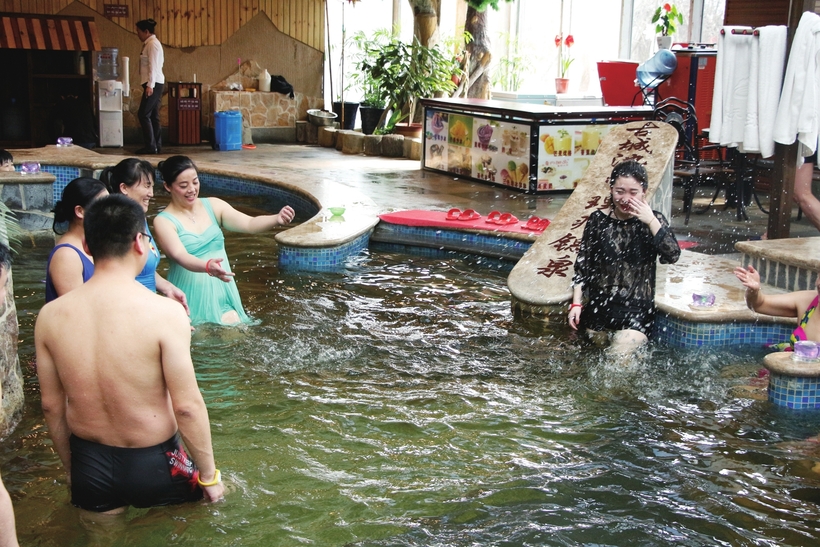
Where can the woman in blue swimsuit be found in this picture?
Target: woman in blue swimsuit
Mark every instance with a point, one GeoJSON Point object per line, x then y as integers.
{"type": "Point", "coordinates": [135, 178]}
{"type": "Point", "coordinates": [68, 265]}
{"type": "Point", "coordinates": [189, 231]}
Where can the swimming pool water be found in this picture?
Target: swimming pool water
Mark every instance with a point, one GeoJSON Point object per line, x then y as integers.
{"type": "Point", "coordinates": [399, 403]}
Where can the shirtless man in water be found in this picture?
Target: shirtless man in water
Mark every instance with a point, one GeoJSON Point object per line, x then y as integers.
{"type": "Point", "coordinates": [117, 381]}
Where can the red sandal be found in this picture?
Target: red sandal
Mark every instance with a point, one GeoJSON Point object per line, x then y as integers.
{"type": "Point", "coordinates": [493, 217]}
{"type": "Point", "coordinates": [506, 219]}
{"type": "Point", "coordinates": [453, 213]}
{"type": "Point", "coordinates": [469, 214]}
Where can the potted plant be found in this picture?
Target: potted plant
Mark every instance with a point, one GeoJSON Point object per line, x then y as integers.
{"type": "Point", "coordinates": [374, 95]}
{"type": "Point", "coordinates": [407, 73]}
{"type": "Point", "coordinates": [350, 110]}
{"type": "Point", "coordinates": [564, 61]}
{"type": "Point", "coordinates": [664, 19]}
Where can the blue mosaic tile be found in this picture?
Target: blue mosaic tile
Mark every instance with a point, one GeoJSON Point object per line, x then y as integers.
{"type": "Point", "coordinates": [794, 392]}
{"type": "Point", "coordinates": [680, 333]}
{"type": "Point", "coordinates": [63, 175]}
{"type": "Point", "coordinates": [234, 186]}
{"type": "Point", "coordinates": [492, 244]}
{"type": "Point", "coordinates": [321, 259]}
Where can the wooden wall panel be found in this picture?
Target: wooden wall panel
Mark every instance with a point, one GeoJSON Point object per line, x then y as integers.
{"type": "Point", "coordinates": [191, 23]}
{"type": "Point", "coordinates": [756, 13]}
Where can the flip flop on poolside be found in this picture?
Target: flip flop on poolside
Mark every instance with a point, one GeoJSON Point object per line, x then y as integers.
{"type": "Point", "coordinates": [507, 218]}
{"type": "Point", "coordinates": [493, 217]}
{"type": "Point", "coordinates": [532, 223]}
{"type": "Point", "coordinates": [537, 224]}
{"type": "Point", "coordinates": [453, 213]}
{"type": "Point", "coordinates": [469, 214]}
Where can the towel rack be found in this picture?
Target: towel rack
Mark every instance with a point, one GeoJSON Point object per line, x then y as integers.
{"type": "Point", "coordinates": [744, 32]}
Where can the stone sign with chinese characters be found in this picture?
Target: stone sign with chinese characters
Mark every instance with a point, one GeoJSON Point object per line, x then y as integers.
{"type": "Point", "coordinates": [542, 278]}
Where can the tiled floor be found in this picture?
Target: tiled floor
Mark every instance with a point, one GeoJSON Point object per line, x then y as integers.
{"type": "Point", "coordinates": [402, 184]}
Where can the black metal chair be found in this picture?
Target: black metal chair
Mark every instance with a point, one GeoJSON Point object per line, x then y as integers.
{"type": "Point", "coordinates": [690, 166]}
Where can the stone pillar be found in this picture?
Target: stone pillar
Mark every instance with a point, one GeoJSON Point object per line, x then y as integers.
{"type": "Point", "coordinates": [11, 377]}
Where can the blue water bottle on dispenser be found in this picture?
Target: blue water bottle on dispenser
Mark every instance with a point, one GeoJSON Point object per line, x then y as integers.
{"type": "Point", "coordinates": [655, 71]}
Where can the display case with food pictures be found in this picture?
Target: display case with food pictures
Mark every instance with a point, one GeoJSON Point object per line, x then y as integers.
{"type": "Point", "coordinates": [460, 130]}
{"type": "Point", "coordinates": [563, 157]}
{"type": "Point", "coordinates": [435, 133]}
{"type": "Point", "coordinates": [501, 153]}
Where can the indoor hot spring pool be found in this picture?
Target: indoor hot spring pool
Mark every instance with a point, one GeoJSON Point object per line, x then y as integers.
{"type": "Point", "coordinates": [399, 403]}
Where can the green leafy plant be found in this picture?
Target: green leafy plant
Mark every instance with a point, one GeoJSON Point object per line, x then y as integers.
{"type": "Point", "coordinates": [510, 70]}
{"type": "Point", "coordinates": [10, 230]}
{"type": "Point", "coordinates": [407, 73]}
{"type": "Point", "coordinates": [665, 18]}
{"type": "Point", "coordinates": [374, 94]}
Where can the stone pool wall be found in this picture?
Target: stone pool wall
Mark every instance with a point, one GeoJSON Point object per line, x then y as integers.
{"type": "Point", "coordinates": [11, 377]}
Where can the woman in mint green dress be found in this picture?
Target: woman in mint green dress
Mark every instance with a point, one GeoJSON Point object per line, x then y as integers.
{"type": "Point", "coordinates": [189, 231]}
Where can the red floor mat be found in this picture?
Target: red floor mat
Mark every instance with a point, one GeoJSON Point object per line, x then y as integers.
{"type": "Point", "coordinates": [438, 219]}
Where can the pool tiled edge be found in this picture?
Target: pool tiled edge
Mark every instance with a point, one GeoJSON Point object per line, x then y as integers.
{"type": "Point", "coordinates": [794, 392]}
{"type": "Point", "coordinates": [492, 244]}
{"type": "Point", "coordinates": [681, 333]}
{"type": "Point", "coordinates": [321, 259]}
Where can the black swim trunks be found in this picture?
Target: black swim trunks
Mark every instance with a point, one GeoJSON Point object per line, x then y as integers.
{"type": "Point", "coordinates": [104, 477]}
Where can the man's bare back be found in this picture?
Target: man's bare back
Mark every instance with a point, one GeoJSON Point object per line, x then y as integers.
{"type": "Point", "coordinates": [113, 374]}
{"type": "Point", "coordinates": [117, 382]}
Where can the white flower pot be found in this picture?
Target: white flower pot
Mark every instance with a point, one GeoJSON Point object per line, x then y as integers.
{"type": "Point", "coordinates": [664, 42]}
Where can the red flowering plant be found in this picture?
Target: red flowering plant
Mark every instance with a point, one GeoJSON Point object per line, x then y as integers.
{"type": "Point", "coordinates": [665, 18]}
{"type": "Point", "coordinates": [564, 60]}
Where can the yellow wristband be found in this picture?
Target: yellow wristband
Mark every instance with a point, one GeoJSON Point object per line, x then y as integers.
{"type": "Point", "coordinates": [217, 478]}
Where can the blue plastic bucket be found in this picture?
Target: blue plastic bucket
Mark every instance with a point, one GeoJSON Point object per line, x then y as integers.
{"type": "Point", "coordinates": [228, 130]}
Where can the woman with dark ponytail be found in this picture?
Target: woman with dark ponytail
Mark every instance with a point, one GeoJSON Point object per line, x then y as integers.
{"type": "Point", "coordinates": [68, 265]}
{"type": "Point", "coordinates": [135, 178]}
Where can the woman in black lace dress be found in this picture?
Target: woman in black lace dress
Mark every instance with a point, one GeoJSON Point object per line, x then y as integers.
{"type": "Point", "coordinates": [614, 281]}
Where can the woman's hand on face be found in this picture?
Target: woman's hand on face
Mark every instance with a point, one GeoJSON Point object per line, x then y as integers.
{"type": "Point", "coordinates": [215, 269]}
{"type": "Point", "coordinates": [286, 215]}
{"type": "Point", "coordinates": [748, 277]}
{"type": "Point", "coordinates": [641, 210]}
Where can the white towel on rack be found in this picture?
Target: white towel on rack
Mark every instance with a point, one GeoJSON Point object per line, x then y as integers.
{"type": "Point", "coordinates": [729, 101]}
{"type": "Point", "coordinates": [751, 132]}
{"type": "Point", "coordinates": [768, 61]}
{"type": "Point", "coordinates": [798, 110]}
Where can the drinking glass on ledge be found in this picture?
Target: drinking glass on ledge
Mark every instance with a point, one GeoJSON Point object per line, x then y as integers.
{"type": "Point", "coordinates": [29, 167]}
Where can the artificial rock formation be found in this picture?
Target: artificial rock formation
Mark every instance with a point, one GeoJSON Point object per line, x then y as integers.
{"type": "Point", "coordinates": [11, 378]}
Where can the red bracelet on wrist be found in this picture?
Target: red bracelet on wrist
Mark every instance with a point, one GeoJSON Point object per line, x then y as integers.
{"type": "Point", "coordinates": [574, 306]}
{"type": "Point", "coordinates": [208, 267]}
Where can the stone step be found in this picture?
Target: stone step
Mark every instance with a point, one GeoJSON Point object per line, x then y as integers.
{"type": "Point", "coordinates": [789, 264]}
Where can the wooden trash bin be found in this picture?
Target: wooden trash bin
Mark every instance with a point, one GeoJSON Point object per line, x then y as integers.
{"type": "Point", "coordinates": [184, 112]}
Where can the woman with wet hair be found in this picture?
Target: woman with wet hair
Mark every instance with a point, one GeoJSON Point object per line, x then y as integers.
{"type": "Point", "coordinates": [614, 282]}
{"type": "Point", "coordinates": [189, 231]}
{"type": "Point", "coordinates": [134, 178]}
{"type": "Point", "coordinates": [68, 265]}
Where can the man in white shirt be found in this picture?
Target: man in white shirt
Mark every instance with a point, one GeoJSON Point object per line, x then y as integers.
{"type": "Point", "coordinates": [152, 80]}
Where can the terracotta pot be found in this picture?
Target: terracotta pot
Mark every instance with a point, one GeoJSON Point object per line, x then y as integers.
{"type": "Point", "coordinates": [408, 129]}
{"type": "Point", "coordinates": [561, 85]}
